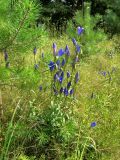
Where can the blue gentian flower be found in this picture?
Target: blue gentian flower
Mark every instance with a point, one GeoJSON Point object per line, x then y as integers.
{"type": "Point", "coordinates": [74, 41]}
{"type": "Point", "coordinates": [80, 30]}
{"type": "Point", "coordinates": [68, 74]}
{"type": "Point", "coordinates": [76, 77]}
{"type": "Point", "coordinates": [67, 51]}
{"type": "Point", "coordinates": [35, 50]}
{"type": "Point", "coordinates": [93, 124]}
{"type": "Point", "coordinates": [63, 62]}
{"type": "Point", "coordinates": [71, 91]}
{"type": "Point", "coordinates": [65, 92]}
{"type": "Point", "coordinates": [60, 52]}
{"type": "Point", "coordinates": [78, 48]}
{"type": "Point", "coordinates": [51, 66]}
{"type": "Point", "coordinates": [68, 85]}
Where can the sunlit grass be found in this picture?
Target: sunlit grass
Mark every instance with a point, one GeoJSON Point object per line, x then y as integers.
{"type": "Point", "coordinates": [97, 100]}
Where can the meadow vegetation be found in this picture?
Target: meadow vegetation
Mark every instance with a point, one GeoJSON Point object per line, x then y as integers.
{"type": "Point", "coordinates": [59, 95]}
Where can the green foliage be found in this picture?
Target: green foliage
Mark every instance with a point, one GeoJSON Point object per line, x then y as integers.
{"type": "Point", "coordinates": [112, 16]}
{"type": "Point", "coordinates": [18, 26]}
{"type": "Point", "coordinates": [37, 126]}
{"type": "Point", "coordinates": [92, 35]}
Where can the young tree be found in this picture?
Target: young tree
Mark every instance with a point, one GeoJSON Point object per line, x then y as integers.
{"type": "Point", "coordinates": [18, 31]}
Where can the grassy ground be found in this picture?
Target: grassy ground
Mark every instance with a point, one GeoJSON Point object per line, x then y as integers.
{"type": "Point", "coordinates": [22, 136]}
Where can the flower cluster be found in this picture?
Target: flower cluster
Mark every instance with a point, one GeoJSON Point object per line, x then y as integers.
{"type": "Point", "coordinates": [64, 75]}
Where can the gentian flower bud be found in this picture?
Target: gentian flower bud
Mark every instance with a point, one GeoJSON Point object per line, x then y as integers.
{"type": "Point", "coordinates": [74, 41]}
{"type": "Point", "coordinates": [68, 74]}
{"type": "Point", "coordinates": [54, 46]}
{"type": "Point", "coordinates": [63, 62]}
{"type": "Point", "coordinates": [68, 85]}
{"type": "Point", "coordinates": [76, 77]}
{"type": "Point", "coordinates": [76, 59]}
{"type": "Point", "coordinates": [51, 66]}
{"type": "Point", "coordinates": [55, 77]}
{"type": "Point", "coordinates": [54, 49]}
{"type": "Point", "coordinates": [58, 62]}
{"type": "Point", "coordinates": [61, 89]}
{"type": "Point", "coordinates": [78, 48]}
{"type": "Point", "coordinates": [65, 92]}
{"type": "Point", "coordinates": [71, 91]}
{"type": "Point", "coordinates": [67, 51]}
